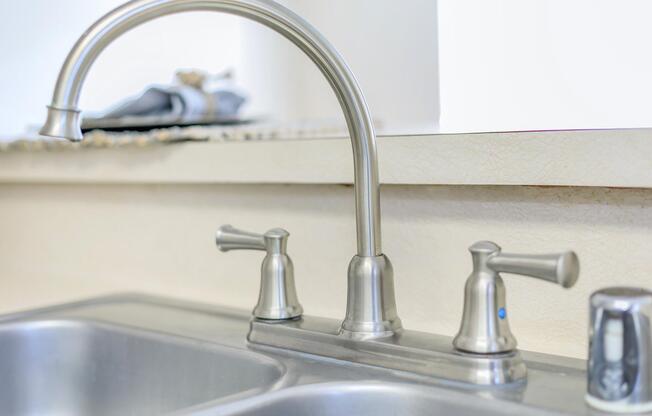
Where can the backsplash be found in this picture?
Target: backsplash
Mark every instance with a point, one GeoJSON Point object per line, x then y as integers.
{"type": "Point", "coordinates": [159, 239]}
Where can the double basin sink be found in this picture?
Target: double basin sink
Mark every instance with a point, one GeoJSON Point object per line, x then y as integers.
{"type": "Point", "coordinates": [141, 355]}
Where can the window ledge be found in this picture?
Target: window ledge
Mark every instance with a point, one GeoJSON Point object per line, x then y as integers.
{"type": "Point", "coordinates": [605, 158]}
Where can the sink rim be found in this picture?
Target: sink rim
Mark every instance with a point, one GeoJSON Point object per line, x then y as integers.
{"type": "Point", "coordinates": [277, 369]}
{"type": "Point", "coordinates": [225, 327]}
{"type": "Point", "coordinates": [140, 332]}
{"type": "Point", "coordinates": [402, 391]}
{"type": "Point", "coordinates": [126, 297]}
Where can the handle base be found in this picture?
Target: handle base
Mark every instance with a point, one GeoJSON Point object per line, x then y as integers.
{"type": "Point", "coordinates": [278, 298]}
{"type": "Point", "coordinates": [485, 326]}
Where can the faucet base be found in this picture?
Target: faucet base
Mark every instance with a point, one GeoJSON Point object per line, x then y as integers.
{"type": "Point", "coordinates": [411, 351]}
{"type": "Point", "coordinates": [371, 306]}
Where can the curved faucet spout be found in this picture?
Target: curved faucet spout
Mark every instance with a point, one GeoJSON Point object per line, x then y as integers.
{"type": "Point", "coordinates": [64, 116]}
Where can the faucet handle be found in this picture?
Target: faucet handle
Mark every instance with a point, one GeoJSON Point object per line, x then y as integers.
{"type": "Point", "coordinates": [485, 328]}
{"type": "Point", "coordinates": [277, 299]}
{"type": "Point", "coordinates": [562, 268]}
{"type": "Point", "coordinates": [230, 238]}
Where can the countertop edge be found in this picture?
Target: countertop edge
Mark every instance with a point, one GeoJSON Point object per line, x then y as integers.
{"type": "Point", "coordinates": [619, 158]}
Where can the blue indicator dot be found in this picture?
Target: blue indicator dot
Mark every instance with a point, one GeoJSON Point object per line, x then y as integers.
{"type": "Point", "coordinates": [502, 313]}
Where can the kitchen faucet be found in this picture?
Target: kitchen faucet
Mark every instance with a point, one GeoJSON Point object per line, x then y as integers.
{"type": "Point", "coordinates": [371, 310]}
{"type": "Point", "coordinates": [371, 332]}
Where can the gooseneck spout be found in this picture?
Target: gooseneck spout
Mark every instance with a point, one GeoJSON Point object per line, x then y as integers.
{"type": "Point", "coordinates": [371, 307]}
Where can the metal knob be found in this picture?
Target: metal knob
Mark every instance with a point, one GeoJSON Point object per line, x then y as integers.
{"type": "Point", "coordinates": [620, 344]}
{"type": "Point", "coordinates": [485, 328]}
{"type": "Point", "coordinates": [278, 296]}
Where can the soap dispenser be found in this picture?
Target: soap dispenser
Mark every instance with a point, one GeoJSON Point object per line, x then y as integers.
{"type": "Point", "coordinates": [620, 341]}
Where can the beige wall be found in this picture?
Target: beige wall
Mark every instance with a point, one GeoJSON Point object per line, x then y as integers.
{"type": "Point", "coordinates": [63, 242]}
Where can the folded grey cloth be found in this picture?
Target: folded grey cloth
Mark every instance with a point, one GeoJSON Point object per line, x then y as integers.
{"type": "Point", "coordinates": [182, 102]}
{"type": "Point", "coordinates": [188, 100]}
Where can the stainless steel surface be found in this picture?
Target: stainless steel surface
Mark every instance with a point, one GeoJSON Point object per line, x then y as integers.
{"type": "Point", "coordinates": [484, 350]}
{"type": "Point", "coordinates": [277, 299]}
{"type": "Point", "coordinates": [620, 345]}
{"type": "Point", "coordinates": [377, 317]}
{"type": "Point", "coordinates": [123, 354]}
{"type": "Point", "coordinates": [562, 269]}
{"type": "Point", "coordinates": [371, 333]}
{"type": "Point", "coordinates": [485, 326]}
{"type": "Point", "coordinates": [370, 304]}
{"type": "Point", "coordinates": [360, 399]}
{"type": "Point", "coordinates": [64, 367]}
{"type": "Point", "coordinates": [230, 238]}
{"type": "Point", "coordinates": [63, 122]}
{"type": "Point", "coordinates": [411, 351]}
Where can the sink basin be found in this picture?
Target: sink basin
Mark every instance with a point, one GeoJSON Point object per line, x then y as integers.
{"type": "Point", "coordinates": [139, 355]}
{"type": "Point", "coordinates": [364, 398]}
{"type": "Point", "coordinates": [66, 367]}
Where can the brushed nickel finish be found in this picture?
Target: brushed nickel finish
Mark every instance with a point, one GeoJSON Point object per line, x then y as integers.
{"type": "Point", "coordinates": [378, 318]}
{"type": "Point", "coordinates": [77, 367]}
{"type": "Point", "coordinates": [371, 333]}
{"type": "Point", "coordinates": [370, 307]}
{"type": "Point", "coordinates": [278, 298]}
{"type": "Point", "coordinates": [485, 324]}
{"type": "Point", "coordinates": [144, 355]}
{"type": "Point", "coordinates": [411, 351]}
{"type": "Point", "coordinates": [63, 123]}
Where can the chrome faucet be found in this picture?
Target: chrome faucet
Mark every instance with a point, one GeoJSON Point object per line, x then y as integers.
{"type": "Point", "coordinates": [371, 332]}
{"type": "Point", "coordinates": [371, 307]}
{"type": "Point", "coordinates": [483, 352]}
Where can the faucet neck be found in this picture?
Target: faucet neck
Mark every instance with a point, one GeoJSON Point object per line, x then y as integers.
{"type": "Point", "coordinates": [63, 114]}
{"type": "Point", "coordinates": [371, 310]}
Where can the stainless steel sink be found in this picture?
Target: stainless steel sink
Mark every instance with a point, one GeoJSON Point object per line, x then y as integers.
{"type": "Point", "coordinates": [142, 355]}
{"type": "Point", "coordinates": [89, 368]}
{"type": "Point", "coordinates": [361, 399]}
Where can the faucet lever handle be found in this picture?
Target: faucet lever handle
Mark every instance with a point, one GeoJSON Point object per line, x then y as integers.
{"type": "Point", "coordinates": [230, 238]}
{"type": "Point", "coordinates": [277, 299]}
{"type": "Point", "coordinates": [562, 268]}
{"type": "Point", "coordinates": [485, 327]}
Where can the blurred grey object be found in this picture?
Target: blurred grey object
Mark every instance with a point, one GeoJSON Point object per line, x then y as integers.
{"type": "Point", "coordinates": [190, 101]}
{"type": "Point", "coordinates": [261, 130]}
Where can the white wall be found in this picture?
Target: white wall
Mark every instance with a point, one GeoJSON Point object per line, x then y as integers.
{"type": "Point", "coordinates": [504, 64]}
{"type": "Point", "coordinates": [392, 50]}
{"type": "Point", "coordinates": [544, 64]}
{"type": "Point", "coordinates": [36, 35]}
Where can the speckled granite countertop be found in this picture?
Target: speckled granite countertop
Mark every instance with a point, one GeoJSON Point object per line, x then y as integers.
{"type": "Point", "coordinates": [250, 132]}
